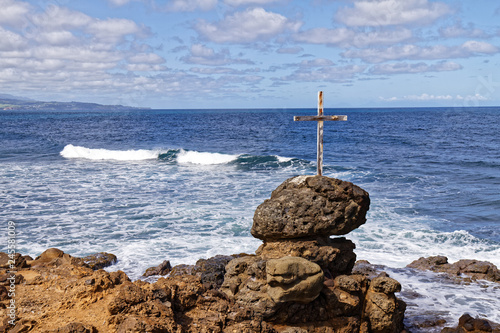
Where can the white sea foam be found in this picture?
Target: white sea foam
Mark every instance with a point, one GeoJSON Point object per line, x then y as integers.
{"type": "Point", "coordinates": [194, 157]}
{"type": "Point", "coordinates": [283, 159]}
{"type": "Point", "coordinates": [438, 295]}
{"type": "Point", "coordinates": [71, 151]}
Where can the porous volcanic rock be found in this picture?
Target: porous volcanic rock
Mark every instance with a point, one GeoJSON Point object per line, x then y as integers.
{"type": "Point", "coordinates": [305, 206]}
{"type": "Point", "coordinates": [335, 256]}
{"type": "Point", "coordinates": [382, 309]}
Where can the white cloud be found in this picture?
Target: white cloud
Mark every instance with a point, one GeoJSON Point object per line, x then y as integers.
{"type": "Point", "coordinates": [146, 58]}
{"type": "Point", "coordinates": [57, 18]}
{"type": "Point", "coordinates": [346, 37]}
{"type": "Point", "coordinates": [56, 38]}
{"type": "Point", "coordinates": [145, 68]}
{"type": "Point", "coordinates": [13, 13]}
{"type": "Point", "coordinates": [479, 47]}
{"type": "Point", "coordinates": [458, 30]}
{"type": "Point", "coordinates": [432, 97]}
{"type": "Point", "coordinates": [324, 36]}
{"type": "Point", "coordinates": [57, 49]}
{"type": "Point", "coordinates": [190, 5]}
{"type": "Point", "coordinates": [119, 2]}
{"type": "Point", "coordinates": [251, 25]}
{"type": "Point", "coordinates": [113, 30]}
{"type": "Point", "coordinates": [11, 41]}
{"type": "Point", "coordinates": [203, 55]}
{"type": "Point", "coordinates": [324, 74]}
{"type": "Point", "coordinates": [407, 68]}
{"type": "Point", "coordinates": [372, 13]}
{"type": "Point", "coordinates": [318, 62]}
{"type": "Point", "coordinates": [414, 52]}
{"type": "Point", "coordinates": [248, 2]}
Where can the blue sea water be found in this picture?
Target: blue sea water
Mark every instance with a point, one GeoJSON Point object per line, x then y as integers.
{"type": "Point", "coordinates": [181, 185]}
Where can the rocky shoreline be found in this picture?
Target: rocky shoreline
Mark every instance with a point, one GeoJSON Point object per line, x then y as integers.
{"type": "Point", "coordinates": [299, 280]}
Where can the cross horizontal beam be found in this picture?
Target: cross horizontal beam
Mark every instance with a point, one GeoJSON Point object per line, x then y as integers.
{"type": "Point", "coordinates": [319, 118]}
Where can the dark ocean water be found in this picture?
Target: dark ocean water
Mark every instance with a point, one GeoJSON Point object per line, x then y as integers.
{"type": "Point", "coordinates": [183, 184]}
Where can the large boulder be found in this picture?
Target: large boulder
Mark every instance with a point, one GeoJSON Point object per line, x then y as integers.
{"type": "Point", "coordinates": [308, 206]}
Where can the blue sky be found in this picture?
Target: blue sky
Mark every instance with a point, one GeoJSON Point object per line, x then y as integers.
{"type": "Point", "coordinates": [252, 53]}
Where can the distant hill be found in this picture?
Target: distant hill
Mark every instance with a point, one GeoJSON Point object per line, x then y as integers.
{"type": "Point", "coordinates": [10, 102]}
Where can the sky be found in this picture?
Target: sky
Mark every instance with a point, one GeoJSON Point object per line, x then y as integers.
{"type": "Point", "coordinates": [252, 53]}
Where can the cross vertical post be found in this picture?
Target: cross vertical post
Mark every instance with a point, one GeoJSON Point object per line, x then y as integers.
{"type": "Point", "coordinates": [320, 134]}
{"type": "Point", "coordinates": [320, 118]}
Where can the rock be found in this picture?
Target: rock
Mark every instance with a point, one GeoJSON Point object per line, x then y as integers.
{"type": "Point", "coordinates": [293, 279]}
{"type": "Point", "coordinates": [18, 261]}
{"type": "Point", "coordinates": [75, 328]}
{"type": "Point", "coordinates": [211, 271]}
{"type": "Point", "coordinates": [383, 311]}
{"type": "Point", "coordinates": [162, 269]}
{"type": "Point", "coordinates": [99, 260]}
{"type": "Point", "coordinates": [334, 256]}
{"type": "Point", "coordinates": [9, 278]}
{"type": "Point", "coordinates": [467, 323]}
{"type": "Point", "coordinates": [306, 206]}
{"type": "Point", "coordinates": [246, 283]}
{"type": "Point", "coordinates": [385, 285]}
{"type": "Point", "coordinates": [54, 258]}
{"type": "Point", "coordinates": [363, 267]}
{"type": "Point", "coordinates": [475, 269]}
{"type": "Point", "coordinates": [4, 294]}
{"type": "Point", "coordinates": [23, 325]}
{"type": "Point", "coordinates": [49, 255]}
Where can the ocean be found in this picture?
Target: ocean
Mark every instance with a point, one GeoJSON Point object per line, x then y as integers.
{"type": "Point", "coordinates": [181, 185]}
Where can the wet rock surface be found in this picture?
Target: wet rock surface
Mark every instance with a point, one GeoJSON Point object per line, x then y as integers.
{"type": "Point", "coordinates": [462, 269]}
{"type": "Point", "coordinates": [99, 260]}
{"type": "Point", "coordinates": [162, 269]}
{"type": "Point", "coordinates": [467, 323]}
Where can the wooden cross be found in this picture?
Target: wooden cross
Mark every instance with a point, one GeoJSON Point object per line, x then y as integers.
{"type": "Point", "coordinates": [320, 118]}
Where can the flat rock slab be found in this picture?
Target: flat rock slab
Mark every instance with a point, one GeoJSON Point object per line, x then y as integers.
{"type": "Point", "coordinates": [309, 206]}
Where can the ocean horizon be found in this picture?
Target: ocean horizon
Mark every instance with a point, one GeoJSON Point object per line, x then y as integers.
{"type": "Point", "coordinates": [180, 185]}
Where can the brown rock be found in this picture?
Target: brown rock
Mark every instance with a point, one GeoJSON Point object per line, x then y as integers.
{"type": "Point", "coordinates": [50, 254]}
{"type": "Point", "coordinates": [211, 271]}
{"type": "Point", "coordinates": [305, 206]}
{"type": "Point", "coordinates": [75, 328]}
{"type": "Point", "coordinates": [99, 260]}
{"type": "Point", "coordinates": [293, 279]}
{"type": "Point", "coordinates": [4, 294]}
{"type": "Point", "coordinates": [162, 269]}
{"type": "Point", "coordinates": [467, 323]}
{"type": "Point", "coordinates": [23, 325]}
{"type": "Point", "coordinates": [475, 269]}
{"type": "Point", "coordinates": [363, 267]}
{"type": "Point", "coordinates": [335, 256]}
{"type": "Point", "coordinates": [383, 311]}
{"type": "Point", "coordinates": [17, 260]}
{"type": "Point", "coordinates": [246, 283]}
